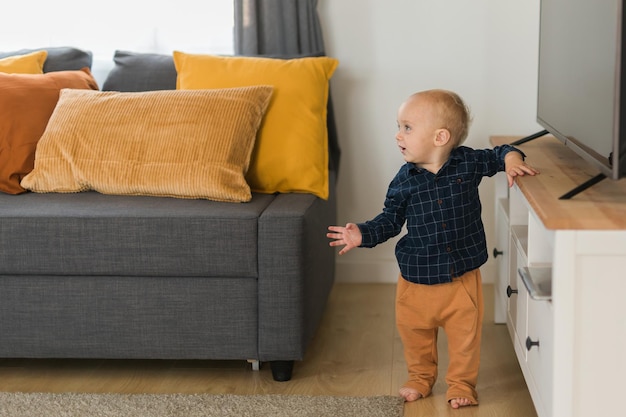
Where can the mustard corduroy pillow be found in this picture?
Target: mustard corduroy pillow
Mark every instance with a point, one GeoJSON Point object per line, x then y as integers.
{"type": "Point", "coordinates": [185, 144]}
{"type": "Point", "coordinates": [31, 63]}
{"type": "Point", "coordinates": [291, 154]}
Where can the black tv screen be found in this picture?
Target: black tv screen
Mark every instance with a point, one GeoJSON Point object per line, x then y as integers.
{"type": "Point", "coordinates": [580, 86]}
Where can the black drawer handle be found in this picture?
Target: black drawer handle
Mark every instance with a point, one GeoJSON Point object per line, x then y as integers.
{"type": "Point", "coordinates": [530, 343]}
{"type": "Point", "coordinates": [497, 252]}
{"type": "Point", "coordinates": [510, 291]}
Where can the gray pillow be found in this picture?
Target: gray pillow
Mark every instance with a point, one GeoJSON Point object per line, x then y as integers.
{"type": "Point", "coordinates": [135, 71]}
{"type": "Point", "coordinates": [60, 58]}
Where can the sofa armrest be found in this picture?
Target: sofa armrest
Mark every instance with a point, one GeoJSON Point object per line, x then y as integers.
{"type": "Point", "coordinates": [296, 272]}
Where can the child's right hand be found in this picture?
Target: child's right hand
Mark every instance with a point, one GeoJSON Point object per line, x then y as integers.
{"type": "Point", "coordinates": [350, 236]}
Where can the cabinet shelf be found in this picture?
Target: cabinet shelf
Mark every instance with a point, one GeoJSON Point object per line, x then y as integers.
{"type": "Point", "coordinates": [519, 236]}
{"type": "Point", "coordinates": [503, 205]}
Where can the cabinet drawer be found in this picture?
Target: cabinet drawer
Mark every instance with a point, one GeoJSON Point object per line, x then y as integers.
{"type": "Point", "coordinates": [501, 255]}
{"type": "Point", "coordinates": [518, 300]}
{"type": "Point", "coordinates": [539, 346]}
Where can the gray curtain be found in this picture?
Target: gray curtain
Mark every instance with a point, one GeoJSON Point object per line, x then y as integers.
{"type": "Point", "coordinates": [277, 27]}
{"type": "Point", "coordinates": [285, 29]}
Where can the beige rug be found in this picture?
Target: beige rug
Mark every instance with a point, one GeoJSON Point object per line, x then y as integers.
{"type": "Point", "coordinates": [174, 405]}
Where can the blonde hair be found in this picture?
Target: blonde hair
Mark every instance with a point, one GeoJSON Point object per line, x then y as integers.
{"type": "Point", "coordinates": [452, 113]}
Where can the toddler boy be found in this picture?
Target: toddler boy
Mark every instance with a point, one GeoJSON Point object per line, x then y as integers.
{"type": "Point", "coordinates": [436, 194]}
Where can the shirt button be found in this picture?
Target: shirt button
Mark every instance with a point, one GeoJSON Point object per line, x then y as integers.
{"type": "Point", "coordinates": [444, 225]}
{"type": "Point", "coordinates": [439, 201]}
{"type": "Point", "coordinates": [459, 180]}
{"type": "Point", "coordinates": [448, 249]}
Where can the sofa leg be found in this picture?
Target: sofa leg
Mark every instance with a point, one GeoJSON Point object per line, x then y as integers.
{"type": "Point", "coordinates": [282, 370]}
{"type": "Point", "coordinates": [256, 365]}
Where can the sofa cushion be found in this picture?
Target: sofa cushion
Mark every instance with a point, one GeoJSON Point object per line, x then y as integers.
{"type": "Point", "coordinates": [60, 58]}
{"type": "Point", "coordinates": [134, 71]}
{"type": "Point", "coordinates": [58, 234]}
{"type": "Point", "coordinates": [31, 63]}
{"type": "Point", "coordinates": [292, 150]}
{"type": "Point", "coordinates": [26, 103]}
{"type": "Point", "coordinates": [186, 144]}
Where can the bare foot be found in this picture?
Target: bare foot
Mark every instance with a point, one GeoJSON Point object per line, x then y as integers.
{"type": "Point", "coordinates": [410, 394]}
{"type": "Point", "coordinates": [460, 402]}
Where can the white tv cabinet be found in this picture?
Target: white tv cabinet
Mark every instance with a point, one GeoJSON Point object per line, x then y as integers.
{"type": "Point", "coordinates": [567, 317]}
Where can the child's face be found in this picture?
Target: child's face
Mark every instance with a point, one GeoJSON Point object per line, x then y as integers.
{"type": "Point", "coordinates": [416, 131]}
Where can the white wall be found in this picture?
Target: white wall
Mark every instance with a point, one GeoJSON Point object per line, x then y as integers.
{"type": "Point", "coordinates": [485, 50]}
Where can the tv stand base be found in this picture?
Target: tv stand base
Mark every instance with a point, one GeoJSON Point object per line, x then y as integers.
{"type": "Point", "coordinates": [530, 137]}
{"type": "Point", "coordinates": [583, 187]}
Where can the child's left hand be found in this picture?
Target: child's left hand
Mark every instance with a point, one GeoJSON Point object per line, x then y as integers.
{"type": "Point", "coordinates": [514, 166]}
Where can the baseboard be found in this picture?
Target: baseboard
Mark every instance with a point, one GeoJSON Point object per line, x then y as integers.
{"type": "Point", "coordinates": [367, 272]}
{"type": "Point", "coordinates": [488, 273]}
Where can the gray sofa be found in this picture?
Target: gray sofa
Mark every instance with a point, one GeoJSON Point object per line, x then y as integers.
{"type": "Point", "coordinates": [89, 275]}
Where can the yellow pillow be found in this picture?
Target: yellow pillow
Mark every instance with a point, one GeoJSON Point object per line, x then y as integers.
{"type": "Point", "coordinates": [185, 144]}
{"type": "Point", "coordinates": [291, 154]}
{"type": "Point", "coordinates": [31, 63]}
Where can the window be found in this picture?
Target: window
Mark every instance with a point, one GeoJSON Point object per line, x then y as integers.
{"type": "Point", "coordinates": [159, 26]}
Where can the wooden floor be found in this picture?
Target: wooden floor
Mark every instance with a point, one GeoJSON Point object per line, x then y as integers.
{"type": "Point", "coordinates": [357, 352]}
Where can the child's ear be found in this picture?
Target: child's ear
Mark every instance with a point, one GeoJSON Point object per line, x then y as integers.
{"type": "Point", "coordinates": [442, 137]}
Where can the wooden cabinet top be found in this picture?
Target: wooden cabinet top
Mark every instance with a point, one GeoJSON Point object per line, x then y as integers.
{"type": "Point", "coordinates": [600, 207]}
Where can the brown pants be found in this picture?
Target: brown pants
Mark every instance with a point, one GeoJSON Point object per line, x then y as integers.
{"type": "Point", "coordinates": [457, 307]}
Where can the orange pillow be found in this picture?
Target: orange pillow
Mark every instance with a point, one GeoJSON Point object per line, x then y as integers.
{"type": "Point", "coordinates": [26, 103]}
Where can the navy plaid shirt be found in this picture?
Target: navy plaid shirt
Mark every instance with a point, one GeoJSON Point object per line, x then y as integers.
{"type": "Point", "coordinates": [445, 234]}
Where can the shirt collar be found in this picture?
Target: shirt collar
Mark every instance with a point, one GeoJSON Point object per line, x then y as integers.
{"type": "Point", "coordinates": [455, 157]}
